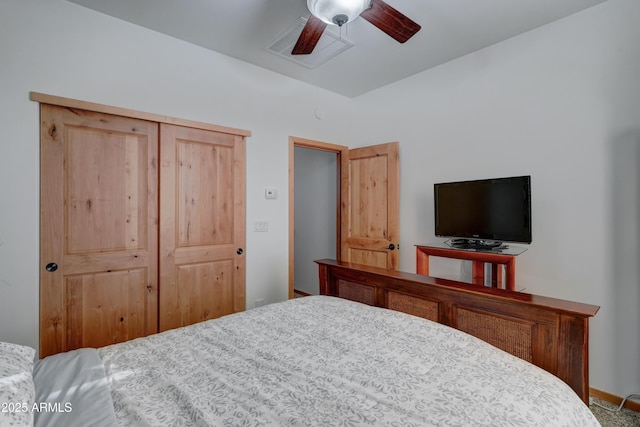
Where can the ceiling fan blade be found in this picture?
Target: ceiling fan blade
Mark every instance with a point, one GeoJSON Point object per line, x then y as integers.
{"type": "Point", "coordinates": [309, 37]}
{"type": "Point", "coordinates": [390, 21]}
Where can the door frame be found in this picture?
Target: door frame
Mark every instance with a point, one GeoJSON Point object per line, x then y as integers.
{"type": "Point", "coordinates": [340, 151]}
{"type": "Point", "coordinates": [134, 114]}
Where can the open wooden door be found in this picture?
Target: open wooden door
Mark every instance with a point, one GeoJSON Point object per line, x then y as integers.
{"type": "Point", "coordinates": [370, 179]}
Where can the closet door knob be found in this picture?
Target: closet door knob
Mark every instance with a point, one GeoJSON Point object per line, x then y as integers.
{"type": "Point", "coordinates": [392, 247]}
{"type": "Point", "coordinates": [239, 251]}
{"type": "Point", "coordinates": [51, 267]}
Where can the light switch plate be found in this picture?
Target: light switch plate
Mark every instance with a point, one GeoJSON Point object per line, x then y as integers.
{"type": "Point", "coordinates": [261, 226]}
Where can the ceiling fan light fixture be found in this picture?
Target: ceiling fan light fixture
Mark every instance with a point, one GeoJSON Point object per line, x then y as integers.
{"type": "Point", "coordinates": [337, 12]}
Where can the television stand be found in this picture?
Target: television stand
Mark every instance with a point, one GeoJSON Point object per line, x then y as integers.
{"type": "Point", "coordinates": [497, 259]}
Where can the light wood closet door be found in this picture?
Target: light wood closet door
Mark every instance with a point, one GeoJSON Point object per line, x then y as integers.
{"type": "Point", "coordinates": [202, 259]}
{"type": "Point", "coordinates": [99, 192]}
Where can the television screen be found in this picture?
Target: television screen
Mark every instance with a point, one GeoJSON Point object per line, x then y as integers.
{"type": "Point", "coordinates": [496, 209]}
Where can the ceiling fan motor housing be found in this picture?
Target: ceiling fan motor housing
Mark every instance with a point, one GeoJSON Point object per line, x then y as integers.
{"type": "Point", "coordinates": [340, 19]}
{"type": "Point", "coordinates": [337, 12]}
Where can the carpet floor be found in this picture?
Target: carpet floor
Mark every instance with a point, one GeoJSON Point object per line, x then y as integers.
{"type": "Point", "coordinates": [611, 417]}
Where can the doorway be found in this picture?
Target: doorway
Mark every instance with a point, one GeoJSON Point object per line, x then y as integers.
{"type": "Point", "coordinates": [366, 207]}
{"type": "Point", "coordinates": [314, 210]}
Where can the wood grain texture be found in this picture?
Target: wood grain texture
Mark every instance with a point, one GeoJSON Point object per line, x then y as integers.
{"type": "Point", "coordinates": [100, 223]}
{"type": "Point", "coordinates": [478, 260]}
{"type": "Point", "coordinates": [76, 104]}
{"type": "Point", "coordinates": [391, 21]}
{"type": "Point", "coordinates": [106, 308]}
{"type": "Point", "coordinates": [309, 36]}
{"type": "Point", "coordinates": [552, 333]}
{"type": "Point", "coordinates": [202, 186]}
{"type": "Point", "coordinates": [370, 205]}
{"type": "Point", "coordinates": [99, 191]}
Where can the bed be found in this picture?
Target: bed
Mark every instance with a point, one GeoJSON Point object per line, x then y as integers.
{"type": "Point", "coordinates": [319, 360]}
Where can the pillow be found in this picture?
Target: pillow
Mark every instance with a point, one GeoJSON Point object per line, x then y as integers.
{"type": "Point", "coordinates": [17, 392]}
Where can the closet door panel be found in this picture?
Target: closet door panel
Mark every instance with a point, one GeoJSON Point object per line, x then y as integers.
{"type": "Point", "coordinates": [205, 186]}
{"type": "Point", "coordinates": [106, 191]}
{"type": "Point", "coordinates": [204, 290]}
{"type": "Point", "coordinates": [99, 191]}
{"type": "Point", "coordinates": [95, 300]}
{"type": "Point", "coordinates": [202, 261]}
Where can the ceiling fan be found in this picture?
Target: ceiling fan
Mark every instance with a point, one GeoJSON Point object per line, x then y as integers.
{"type": "Point", "coordinates": [339, 12]}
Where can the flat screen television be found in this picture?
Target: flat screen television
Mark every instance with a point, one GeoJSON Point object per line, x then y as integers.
{"type": "Point", "coordinates": [484, 212]}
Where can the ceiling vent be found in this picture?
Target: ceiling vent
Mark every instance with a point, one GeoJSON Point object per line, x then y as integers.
{"type": "Point", "coordinates": [329, 46]}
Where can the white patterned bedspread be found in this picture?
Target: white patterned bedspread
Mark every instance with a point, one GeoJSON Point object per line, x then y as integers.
{"type": "Point", "coordinates": [323, 361]}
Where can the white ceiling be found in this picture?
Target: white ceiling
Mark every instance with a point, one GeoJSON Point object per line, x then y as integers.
{"type": "Point", "coordinates": [244, 28]}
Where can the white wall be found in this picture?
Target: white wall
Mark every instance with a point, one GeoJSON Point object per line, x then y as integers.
{"type": "Point", "coordinates": [561, 103]}
{"type": "Point", "coordinates": [59, 48]}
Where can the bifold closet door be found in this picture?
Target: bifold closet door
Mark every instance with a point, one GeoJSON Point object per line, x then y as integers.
{"type": "Point", "coordinates": [202, 225]}
{"type": "Point", "coordinates": [99, 229]}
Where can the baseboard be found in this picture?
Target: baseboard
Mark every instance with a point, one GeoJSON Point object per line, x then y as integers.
{"type": "Point", "coordinates": [305, 294]}
{"type": "Point", "coordinates": [612, 398]}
